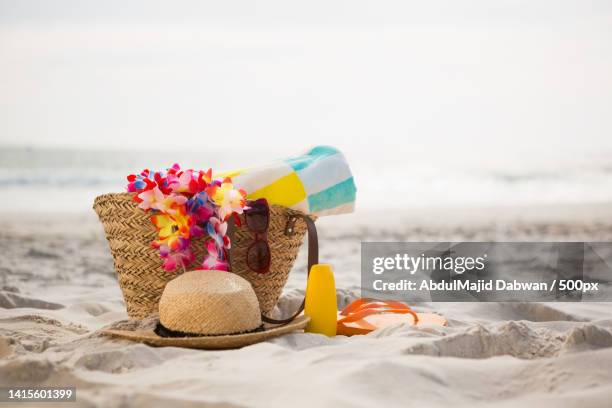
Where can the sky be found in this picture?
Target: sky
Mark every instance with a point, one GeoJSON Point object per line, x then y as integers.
{"type": "Point", "coordinates": [382, 78]}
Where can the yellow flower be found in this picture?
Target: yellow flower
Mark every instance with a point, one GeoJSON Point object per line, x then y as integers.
{"type": "Point", "coordinates": [227, 198]}
{"type": "Point", "coordinates": [171, 228]}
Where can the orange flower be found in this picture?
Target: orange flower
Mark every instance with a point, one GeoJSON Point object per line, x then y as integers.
{"type": "Point", "coordinates": [172, 229]}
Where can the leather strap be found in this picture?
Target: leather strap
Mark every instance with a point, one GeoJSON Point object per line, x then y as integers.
{"type": "Point", "coordinates": [313, 259]}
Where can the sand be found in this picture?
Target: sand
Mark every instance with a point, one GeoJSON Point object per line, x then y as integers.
{"type": "Point", "coordinates": [58, 289]}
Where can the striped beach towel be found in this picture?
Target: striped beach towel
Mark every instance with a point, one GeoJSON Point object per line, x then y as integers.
{"type": "Point", "coordinates": [318, 182]}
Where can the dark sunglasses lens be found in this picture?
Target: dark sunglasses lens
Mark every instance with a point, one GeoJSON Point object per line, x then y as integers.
{"type": "Point", "coordinates": [257, 218]}
{"type": "Point", "coordinates": [258, 257]}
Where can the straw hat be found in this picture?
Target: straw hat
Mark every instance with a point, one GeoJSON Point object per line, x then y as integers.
{"type": "Point", "coordinates": [208, 310]}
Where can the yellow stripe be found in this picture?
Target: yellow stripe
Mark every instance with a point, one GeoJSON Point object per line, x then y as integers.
{"type": "Point", "coordinates": [230, 174]}
{"type": "Point", "coordinates": [286, 191]}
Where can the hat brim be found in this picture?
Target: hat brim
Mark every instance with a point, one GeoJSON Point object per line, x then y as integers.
{"type": "Point", "coordinates": [210, 342]}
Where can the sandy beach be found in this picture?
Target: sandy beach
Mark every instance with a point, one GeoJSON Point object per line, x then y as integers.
{"type": "Point", "coordinates": [474, 122]}
{"type": "Point", "coordinates": [58, 289]}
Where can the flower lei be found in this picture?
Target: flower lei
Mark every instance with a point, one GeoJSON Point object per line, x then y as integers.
{"type": "Point", "coordinates": [188, 204]}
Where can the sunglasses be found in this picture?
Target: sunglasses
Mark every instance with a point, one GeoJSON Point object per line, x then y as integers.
{"type": "Point", "coordinates": [257, 218]}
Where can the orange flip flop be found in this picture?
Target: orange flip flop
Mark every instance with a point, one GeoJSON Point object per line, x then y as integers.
{"type": "Point", "coordinates": [365, 315]}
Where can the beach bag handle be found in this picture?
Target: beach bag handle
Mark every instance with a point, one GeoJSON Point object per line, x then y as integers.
{"type": "Point", "coordinates": [313, 259]}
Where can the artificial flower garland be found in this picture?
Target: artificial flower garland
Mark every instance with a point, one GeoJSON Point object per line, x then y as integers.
{"type": "Point", "coordinates": [188, 204]}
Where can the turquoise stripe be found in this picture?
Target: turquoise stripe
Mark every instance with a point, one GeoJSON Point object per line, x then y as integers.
{"type": "Point", "coordinates": [301, 162]}
{"type": "Point", "coordinates": [341, 193]}
{"type": "Point", "coordinates": [323, 151]}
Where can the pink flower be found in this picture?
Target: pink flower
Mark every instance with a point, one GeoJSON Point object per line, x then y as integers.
{"type": "Point", "coordinates": [156, 200]}
{"type": "Point", "coordinates": [151, 198]}
{"type": "Point", "coordinates": [217, 230]}
{"type": "Point", "coordinates": [171, 204]}
{"type": "Point", "coordinates": [182, 258]}
{"type": "Point", "coordinates": [212, 261]}
{"type": "Point", "coordinates": [200, 207]}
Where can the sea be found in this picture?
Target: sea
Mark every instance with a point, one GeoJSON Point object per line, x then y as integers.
{"type": "Point", "coordinates": [47, 180]}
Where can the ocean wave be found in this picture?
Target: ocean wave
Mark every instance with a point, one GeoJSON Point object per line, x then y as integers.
{"type": "Point", "coordinates": [407, 183]}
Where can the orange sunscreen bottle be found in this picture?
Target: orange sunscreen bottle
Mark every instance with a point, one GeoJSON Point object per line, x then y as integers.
{"type": "Point", "coordinates": [320, 303]}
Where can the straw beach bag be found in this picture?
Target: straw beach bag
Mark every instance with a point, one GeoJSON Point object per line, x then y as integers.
{"type": "Point", "coordinates": [129, 232]}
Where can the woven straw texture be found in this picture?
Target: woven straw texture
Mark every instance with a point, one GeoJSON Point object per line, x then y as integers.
{"type": "Point", "coordinates": [129, 232]}
{"type": "Point", "coordinates": [210, 342]}
{"type": "Point", "coordinates": [209, 302]}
